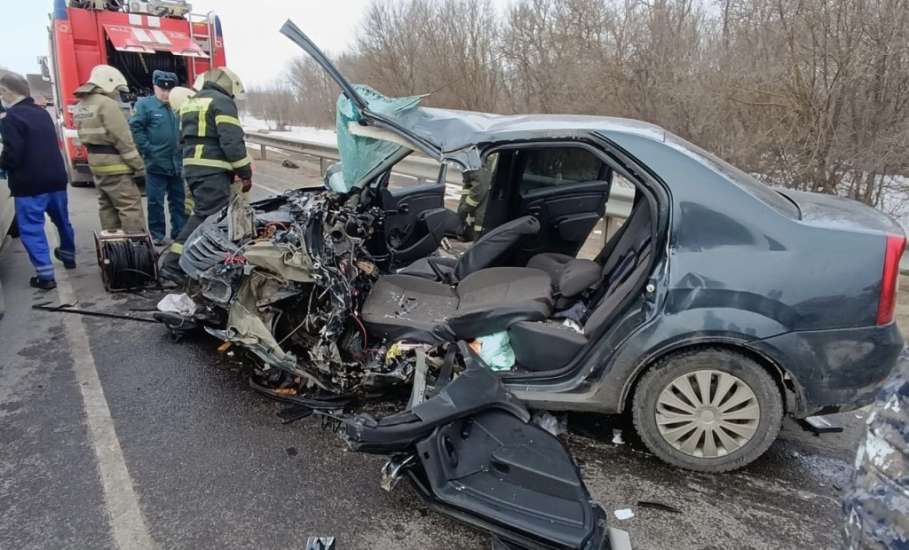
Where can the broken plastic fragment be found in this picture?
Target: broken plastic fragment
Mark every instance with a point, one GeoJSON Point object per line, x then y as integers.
{"type": "Point", "coordinates": [623, 514]}
{"type": "Point", "coordinates": [552, 424]}
{"type": "Point", "coordinates": [180, 304]}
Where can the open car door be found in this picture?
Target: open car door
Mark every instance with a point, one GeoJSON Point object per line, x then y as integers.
{"type": "Point", "coordinates": [370, 142]}
{"type": "Point", "coordinates": [471, 453]}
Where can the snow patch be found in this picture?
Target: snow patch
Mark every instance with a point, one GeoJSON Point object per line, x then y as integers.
{"type": "Point", "coordinates": [318, 135]}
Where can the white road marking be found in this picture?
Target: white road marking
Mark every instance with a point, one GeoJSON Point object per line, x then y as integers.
{"type": "Point", "coordinates": [124, 515]}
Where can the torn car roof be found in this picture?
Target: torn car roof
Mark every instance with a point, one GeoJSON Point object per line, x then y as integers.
{"type": "Point", "coordinates": [453, 130]}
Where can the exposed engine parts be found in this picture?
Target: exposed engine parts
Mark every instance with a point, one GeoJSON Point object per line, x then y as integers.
{"type": "Point", "coordinates": [284, 279]}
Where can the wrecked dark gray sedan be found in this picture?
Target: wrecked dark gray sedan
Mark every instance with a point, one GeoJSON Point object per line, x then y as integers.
{"type": "Point", "coordinates": [718, 307]}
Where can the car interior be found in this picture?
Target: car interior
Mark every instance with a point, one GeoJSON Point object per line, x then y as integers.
{"type": "Point", "coordinates": [523, 273]}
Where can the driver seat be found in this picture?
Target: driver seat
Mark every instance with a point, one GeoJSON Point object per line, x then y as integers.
{"type": "Point", "coordinates": [484, 252]}
{"type": "Point", "coordinates": [490, 300]}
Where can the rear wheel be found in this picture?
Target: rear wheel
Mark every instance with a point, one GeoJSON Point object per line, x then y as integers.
{"type": "Point", "coordinates": [710, 410]}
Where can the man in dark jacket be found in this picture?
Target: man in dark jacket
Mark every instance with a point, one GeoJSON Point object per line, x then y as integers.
{"type": "Point", "coordinates": [37, 178]}
{"type": "Point", "coordinates": [156, 133]}
{"type": "Point", "coordinates": [214, 153]}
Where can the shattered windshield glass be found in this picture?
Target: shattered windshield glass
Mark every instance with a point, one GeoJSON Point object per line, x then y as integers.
{"type": "Point", "coordinates": [360, 155]}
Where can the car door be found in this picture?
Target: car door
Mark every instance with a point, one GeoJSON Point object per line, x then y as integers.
{"type": "Point", "coordinates": [566, 189]}
{"type": "Point", "coordinates": [472, 452]}
{"type": "Point", "coordinates": [406, 233]}
{"type": "Point", "coordinates": [370, 142]}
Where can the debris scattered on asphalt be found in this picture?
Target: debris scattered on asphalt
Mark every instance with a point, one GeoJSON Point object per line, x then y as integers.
{"type": "Point", "coordinates": [658, 506]}
{"type": "Point", "coordinates": [294, 413]}
{"type": "Point", "coordinates": [290, 164]}
{"type": "Point", "coordinates": [617, 437]}
{"type": "Point", "coordinates": [291, 451]}
{"type": "Point", "coordinates": [68, 308]}
{"type": "Point", "coordinates": [320, 543]}
{"type": "Point", "coordinates": [623, 514]}
{"type": "Point", "coordinates": [550, 423]}
{"type": "Point", "coordinates": [181, 304]}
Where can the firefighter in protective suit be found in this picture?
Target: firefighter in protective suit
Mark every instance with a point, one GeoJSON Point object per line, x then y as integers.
{"type": "Point", "coordinates": [112, 155]}
{"type": "Point", "coordinates": [214, 153]}
{"type": "Point", "coordinates": [178, 98]}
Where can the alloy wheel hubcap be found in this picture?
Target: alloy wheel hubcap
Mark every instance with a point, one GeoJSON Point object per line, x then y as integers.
{"type": "Point", "coordinates": [707, 413]}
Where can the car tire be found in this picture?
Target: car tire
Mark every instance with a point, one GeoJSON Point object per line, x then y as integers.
{"type": "Point", "coordinates": [734, 425]}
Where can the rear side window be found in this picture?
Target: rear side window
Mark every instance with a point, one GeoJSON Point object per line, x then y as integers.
{"type": "Point", "coordinates": [558, 166]}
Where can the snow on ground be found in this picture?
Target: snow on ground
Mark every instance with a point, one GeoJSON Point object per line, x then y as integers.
{"type": "Point", "coordinates": [308, 133]}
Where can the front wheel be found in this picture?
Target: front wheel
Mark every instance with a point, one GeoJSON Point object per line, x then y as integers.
{"type": "Point", "coordinates": [710, 410]}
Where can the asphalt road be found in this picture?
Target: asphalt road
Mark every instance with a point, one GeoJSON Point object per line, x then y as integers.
{"type": "Point", "coordinates": [112, 435]}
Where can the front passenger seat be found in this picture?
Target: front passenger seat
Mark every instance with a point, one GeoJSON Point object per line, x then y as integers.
{"type": "Point", "coordinates": [482, 254]}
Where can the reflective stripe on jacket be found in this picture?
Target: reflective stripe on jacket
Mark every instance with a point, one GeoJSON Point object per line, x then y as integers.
{"type": "Point", "coordinates": [213, 139]}
{"type": "Point", "coordinates": [103, 129]}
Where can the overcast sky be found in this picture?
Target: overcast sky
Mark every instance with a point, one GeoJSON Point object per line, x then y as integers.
{"type": "Point", "coordinates": [255, 49]}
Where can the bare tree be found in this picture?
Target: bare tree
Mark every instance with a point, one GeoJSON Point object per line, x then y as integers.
{"type": "Point", "coordinates": [811, 94]}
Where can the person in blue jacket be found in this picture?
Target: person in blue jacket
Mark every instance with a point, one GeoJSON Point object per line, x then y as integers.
{"type": "Point", "coordinates": [156, 133]}
{"type": "Point", "coordinates": [37, 178]}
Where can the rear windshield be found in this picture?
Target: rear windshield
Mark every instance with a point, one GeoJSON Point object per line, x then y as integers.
{"type": "Point", "coordinates": [749, 183]}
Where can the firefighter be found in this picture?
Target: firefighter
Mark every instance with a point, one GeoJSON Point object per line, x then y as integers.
{"type": "Point", "coordinates": [214, 153]}
{"type": "Point", "coordinates": [112, 154]}
{"type": "Point", "coordinates": [178, 98]}
{"type": "Point", "coordinates": [475, 197]}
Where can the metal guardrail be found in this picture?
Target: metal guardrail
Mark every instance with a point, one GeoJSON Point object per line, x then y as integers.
{"type": "Point", "coordinates": [416, 166]}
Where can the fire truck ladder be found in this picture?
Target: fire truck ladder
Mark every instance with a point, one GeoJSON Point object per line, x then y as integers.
{"type": "Point", "coordinates": [208, 48]}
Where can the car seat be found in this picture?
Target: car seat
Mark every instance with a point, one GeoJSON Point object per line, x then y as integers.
{"type": "Point", "coordinates": [549, 345]}
{"type": "Point", "coordinates": [484, 253]}
{"type": "Point", "coordinates": [486, 301]}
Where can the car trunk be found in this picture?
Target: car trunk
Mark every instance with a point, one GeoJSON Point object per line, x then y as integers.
{"type": "Point", "coordinates": [875, 257]}
{"type": "Point", "coordinates": [841, 213]}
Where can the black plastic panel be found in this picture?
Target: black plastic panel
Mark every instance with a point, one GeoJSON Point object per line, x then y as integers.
{"type": "Point", "coordinates": [506, 473]}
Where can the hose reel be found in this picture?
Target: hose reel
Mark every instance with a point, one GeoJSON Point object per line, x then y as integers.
{"type": "Point", "coordinates": [127, 261]}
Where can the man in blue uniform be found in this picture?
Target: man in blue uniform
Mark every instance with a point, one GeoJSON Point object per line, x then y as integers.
{"type": "Point", "coordinates": [155, 130]}
{"type": "Point", "coordinates": [37, 178]}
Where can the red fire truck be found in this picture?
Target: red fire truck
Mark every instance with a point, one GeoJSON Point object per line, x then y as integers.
{"type": "Point", "coordinates": [135, 36]}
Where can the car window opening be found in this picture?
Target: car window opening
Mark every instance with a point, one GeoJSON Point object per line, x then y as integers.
{"type": "Point", "coordinates": [594, 251]}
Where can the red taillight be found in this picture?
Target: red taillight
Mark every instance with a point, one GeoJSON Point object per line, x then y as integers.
{"type": "Point", "coordinates": [890, 279]}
